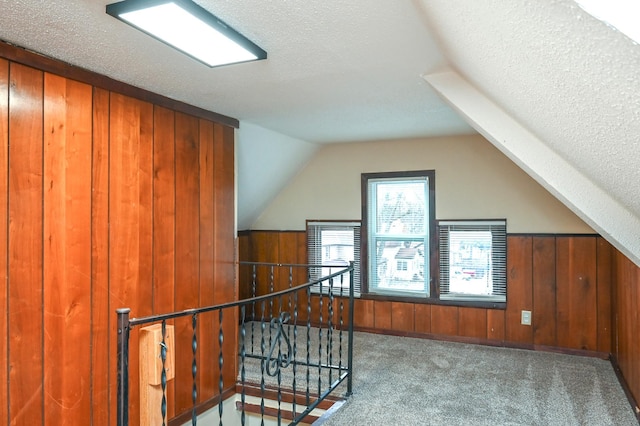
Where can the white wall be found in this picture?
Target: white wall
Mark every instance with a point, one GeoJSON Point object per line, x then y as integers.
{"type": "Point", "coordinates": [266, 160]}
{"type": "Point", "coordinates": [473, 180]}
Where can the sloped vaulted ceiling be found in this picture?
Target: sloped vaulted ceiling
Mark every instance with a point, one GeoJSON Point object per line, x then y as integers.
{"type": "Point", "coordinates": [558, 92]}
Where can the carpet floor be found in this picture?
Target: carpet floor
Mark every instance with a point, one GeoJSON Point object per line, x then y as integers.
{"type": "Point", "coordinates": [407, 381]}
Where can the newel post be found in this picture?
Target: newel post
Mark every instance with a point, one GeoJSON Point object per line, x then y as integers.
{"type": "Point", "coordinates": [123, 366]}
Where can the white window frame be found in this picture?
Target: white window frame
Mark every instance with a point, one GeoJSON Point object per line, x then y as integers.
{"type": "Point", "coordinates": [422, 239]}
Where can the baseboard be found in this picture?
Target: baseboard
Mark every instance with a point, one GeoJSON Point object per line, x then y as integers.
{"type": "Point", "coordinates": [488, 342]}
{"type": "Point", "coordinates": [625, 386]}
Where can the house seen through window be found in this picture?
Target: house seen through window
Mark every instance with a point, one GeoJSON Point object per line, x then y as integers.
{"type": "Point", "coordinates": [401, 248]}
{"type": "Point", "coordinates": [334, 244]}
{"type": "Point", "coordinates": [473, 260]}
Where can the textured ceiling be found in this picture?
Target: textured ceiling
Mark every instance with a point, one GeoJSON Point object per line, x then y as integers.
{"type": "Point", "coordinates": [560, 73]}
{"type": "Point", "coordinates": [336, 70]}
{"type": "Point", "coordinates": [570, 80]}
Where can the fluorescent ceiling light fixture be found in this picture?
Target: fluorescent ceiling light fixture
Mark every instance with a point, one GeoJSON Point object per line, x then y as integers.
{"type": "Point", "coordinates": [189, 28]}
{"type": "Point", "coordinates": [623, 15]}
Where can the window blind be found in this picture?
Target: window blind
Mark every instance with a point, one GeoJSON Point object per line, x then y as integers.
{"type": "Point", "coordinates": [473, 260]}
{"type": "Point", "coordinates": [333, 244]}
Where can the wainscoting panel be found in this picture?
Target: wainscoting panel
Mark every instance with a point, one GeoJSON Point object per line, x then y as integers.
{"type": "Point", "coordinates": [576, 292]}
{"type": "Point", "coordinates": [553, 276]}
{"type": "Point", "coordinates": [544, 291]}
{"type": "Point", "coordinates": [519, 288]}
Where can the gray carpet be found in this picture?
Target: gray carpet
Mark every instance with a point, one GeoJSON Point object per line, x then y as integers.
{"type": "Point", "coordinates": [406, 381]}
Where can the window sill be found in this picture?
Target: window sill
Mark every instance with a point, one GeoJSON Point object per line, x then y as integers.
{"type": "Point", "coordinates": [433, 301]}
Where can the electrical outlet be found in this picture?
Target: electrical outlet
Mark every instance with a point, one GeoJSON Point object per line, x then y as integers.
{"type": "Point", "coordinates": [526, 318]}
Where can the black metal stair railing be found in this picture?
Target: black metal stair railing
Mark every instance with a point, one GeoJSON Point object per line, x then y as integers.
{"type": "Point", "coordinates": [290, 347]}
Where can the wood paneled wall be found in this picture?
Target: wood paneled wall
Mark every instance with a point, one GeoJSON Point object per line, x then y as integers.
{"type": "Point", "coordinates": [110, 202]}
{"type": "Point", "coordinates": [565, 281]}
{"type": "Point", "coordinates": [584, 295]}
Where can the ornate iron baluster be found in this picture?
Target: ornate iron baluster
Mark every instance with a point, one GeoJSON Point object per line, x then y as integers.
{"type": "Point", "coordinates": [308, 344]}
{"type": "Point", "coordinates": [194, 368]}
{"type": "Point", "coordinates": [281, 360]}
{"type": "Point", "coordinates": [350, 347]}
{"type": "Point", "coordinates": [341, 311]}
{"type": "Point", "coordinates": [253, 305]}
{"type": "Point", "coordinates": [123, 367]}
{"type": "Point", "coordinates": [243, 353]}
{"type": "Point", "coordinates": [320, 304]}
{"type": "Point", "coordinates": [220, 363]}
{"type": "Point", "coordinates": [271, 287]}
{"type": "Point", "coordinates": [262, 357]}
{"type": "Point", "coordinates": [163, 375]}
{"type": "Point", "coordinates": [330, 331]}
{"type": "Point", "coordinates": [295, 350]}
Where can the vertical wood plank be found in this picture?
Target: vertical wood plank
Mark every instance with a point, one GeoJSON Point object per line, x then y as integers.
{"type": "Point", "coordinates": [101, 315]}
{"type": "Point", "coordinates": [624, 333]}
{"type": "Point", "coordinates": [130, 216]}
{"type": "Point", "coordinates": [67, 252]}
{"type": "Point", "coordinates": [145, 222]}
{"type": "Point", "coordinates": [544, 291]}
{"type": "Point", "coordinates": [287, 276]}
{"type": "Point", "coordinates": [209, 330]}
{"type": "Point", "coordinates": [301, 276]}
{"type": "Point", "coordinates": [164, 193]}
{"type": "Point", "coordinates": [423, 318]}
{"type": "Point", "coordinates": [244, 271]}
{"type": "Point", "coordinates": [187, 250]}
{"type": "Point", "coordinates": [495, 324]}
{"type": "Point", "coordinates": [615, 305]}
{"type": "Point", "coordinates": [634, 324]}
{"type": "Point", "coordinates": [402, 316]}
{"type": "Point", "coordinates": [604, 294]}
{"type": "Point", "coordinates": [25, 304]}
{"type": "Point", "coordinates": [288, 249]}
{"type": "Point", "coordinates": [265, 248]}
{"type": "Point", "coordinates": [576, 292]}
{"type": "Point", "coordinates": [472, 322]}
{"type": "Point", "coordinates": [224, 242]}
{"type": "Point", "coordinates": [519, 290]}
{"type": "Point", "coordinates": [444, 320]}
{"type": "Point", "coordinates": [382, 315]}
{"type": "Point", "coordinates": [363, 313]}
{"type": "Point", "coordinates": [4, 168]}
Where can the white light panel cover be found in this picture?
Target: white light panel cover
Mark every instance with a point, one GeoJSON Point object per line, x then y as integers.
{"type": "Point", "coordinates": [177, 27]}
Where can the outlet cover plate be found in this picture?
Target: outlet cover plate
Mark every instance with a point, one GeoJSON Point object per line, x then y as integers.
{"type": "Point", "coordinates": [526, 318]}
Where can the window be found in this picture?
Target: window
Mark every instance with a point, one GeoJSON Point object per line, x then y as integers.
{"type": "Point", "coordinates": [473, 260]}
{"type": "Point", "coordinates": [398, 213]}
{"type": "Point", "coordinates": [334, 244]}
